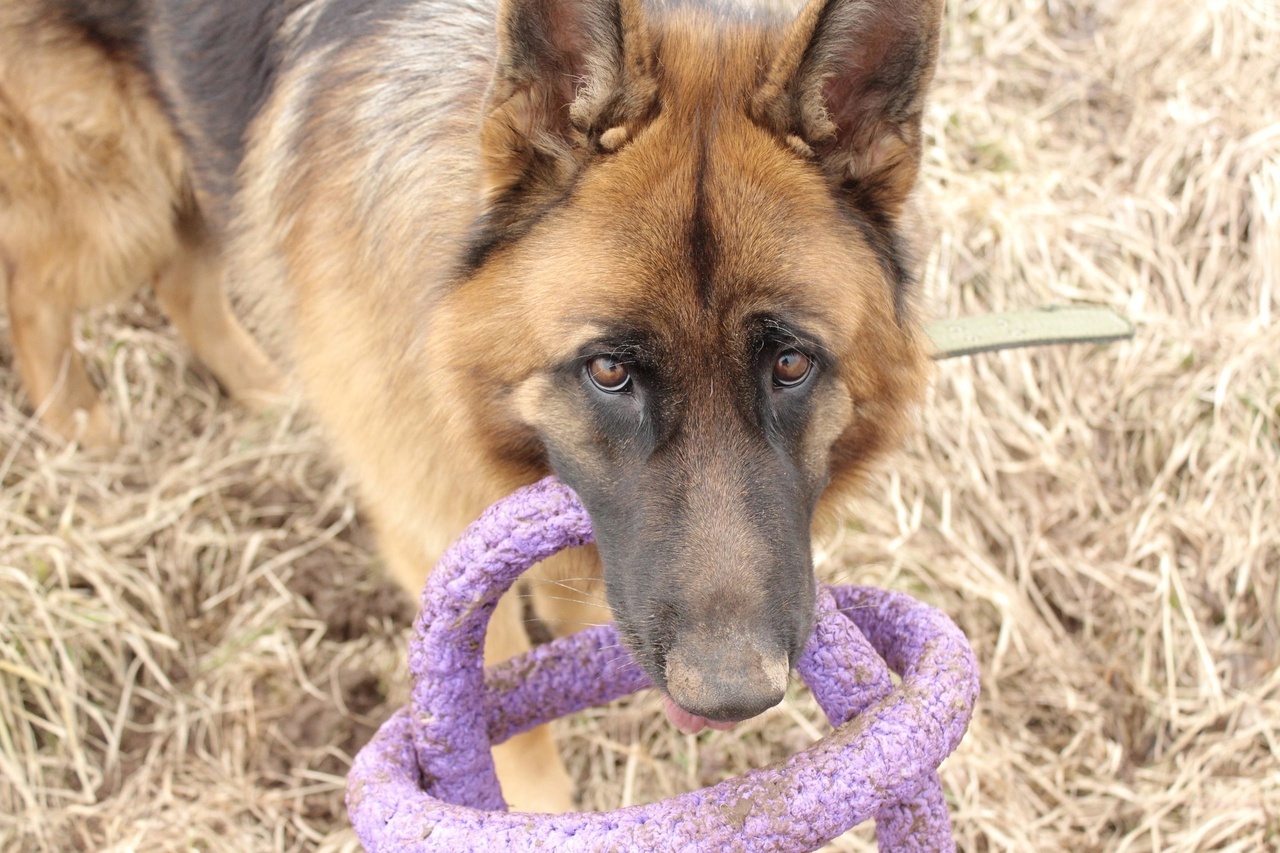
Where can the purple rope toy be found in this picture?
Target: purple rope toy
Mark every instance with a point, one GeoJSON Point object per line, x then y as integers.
{"type": "Point", "coordinates": [426, 781]}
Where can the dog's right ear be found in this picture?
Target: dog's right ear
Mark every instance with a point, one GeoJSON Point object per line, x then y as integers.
{"type": "Point", "coordinates": [573, 79]}
{"type": "Point", "coordinates": [847, 88]}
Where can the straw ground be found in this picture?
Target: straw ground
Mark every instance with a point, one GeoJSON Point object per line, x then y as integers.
{"type": "Point", "coordinates": [194, 636]}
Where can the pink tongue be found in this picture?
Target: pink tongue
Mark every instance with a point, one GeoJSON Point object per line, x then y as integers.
{"type": "Point", "coordinates": [688, 723]}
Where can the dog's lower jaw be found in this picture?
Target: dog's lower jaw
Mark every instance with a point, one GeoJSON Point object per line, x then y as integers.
{"type": "Point", "coordinates": [529, 769]}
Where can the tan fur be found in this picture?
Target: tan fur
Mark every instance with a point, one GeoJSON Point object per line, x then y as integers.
{"type": "Point", "coordinates": [93, 192]}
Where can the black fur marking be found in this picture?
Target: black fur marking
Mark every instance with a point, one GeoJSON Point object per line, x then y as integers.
{"type": "Point", "coordinates": [857, 201]}
{"type": "Point", "coordinates": [493, 232]}
{"type": "Point", "coordinates": [704, 248]}
{"type": "Point", "coordinates": [116, 26]}
{"type": "Point", "coordinates": [225, 60]}
{"type": "Point", "coordinates": [514, 215]}
{"type": "Point", "coordinates": [485, 240]}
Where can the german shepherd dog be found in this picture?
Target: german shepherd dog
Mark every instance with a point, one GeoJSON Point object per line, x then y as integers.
{"type": "Point", "coordinates": [657, 247]}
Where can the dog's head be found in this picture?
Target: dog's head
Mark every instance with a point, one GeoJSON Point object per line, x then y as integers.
{"type": "Point", "coordinates": [696, 308]}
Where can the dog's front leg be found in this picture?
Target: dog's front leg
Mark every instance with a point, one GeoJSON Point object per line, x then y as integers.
{"type": "Point", "coordinates": [191, 292]}
{"type": "Point", "coordinates": [42, 314]}
{"type": "Point", "coordinates": [530, 770]}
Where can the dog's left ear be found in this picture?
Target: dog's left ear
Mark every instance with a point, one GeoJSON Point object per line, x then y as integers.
{"type": "Point", "coordinates": [847, 87]}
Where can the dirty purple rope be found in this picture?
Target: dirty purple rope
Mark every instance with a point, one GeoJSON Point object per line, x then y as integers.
{"type": "Point", "coordinates": [426, 781]}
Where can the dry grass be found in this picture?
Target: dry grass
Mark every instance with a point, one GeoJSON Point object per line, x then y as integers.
{"type": "Point", "coordinates": [192, 641]}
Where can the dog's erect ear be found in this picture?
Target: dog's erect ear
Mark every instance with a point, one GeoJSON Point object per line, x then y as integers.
{"type": "Point", "coordinates": [573, 78]}
{"type": "Point", "coordinates": [848, 86]}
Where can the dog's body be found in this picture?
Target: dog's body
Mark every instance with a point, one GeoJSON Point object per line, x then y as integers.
{"type": "Point", "coordinates": [654, 250]}
{"type": "Point", "coordinates": [96, 199]}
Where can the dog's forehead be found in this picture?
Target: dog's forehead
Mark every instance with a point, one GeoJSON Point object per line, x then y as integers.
{"type": "Point", "coordinates": [711, 231]}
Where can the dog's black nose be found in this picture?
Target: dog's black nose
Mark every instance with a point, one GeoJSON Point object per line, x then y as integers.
{"type": "Point", "coordinates": [726, 679]}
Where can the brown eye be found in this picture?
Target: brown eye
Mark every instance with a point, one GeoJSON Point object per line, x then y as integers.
{"type": "Point", "coordinates": [609, 374]}
{"type": "Point", "coordinates": [791, 367]}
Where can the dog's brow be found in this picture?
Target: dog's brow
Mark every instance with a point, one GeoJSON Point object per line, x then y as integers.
{"type": "Point", "coordinates": [793, 331]}
{"type": "Point", "coordinates": [575, 337]}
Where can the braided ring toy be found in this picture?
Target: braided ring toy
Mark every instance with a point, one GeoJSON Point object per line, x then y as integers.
{"type": "Point", "coordinates": [426, 781]}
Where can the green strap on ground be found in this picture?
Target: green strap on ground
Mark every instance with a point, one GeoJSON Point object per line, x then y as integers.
{"type": "Point", "coordinates": [1053, 325]}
